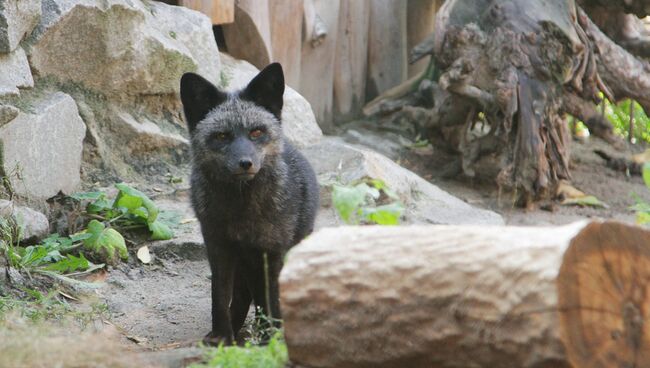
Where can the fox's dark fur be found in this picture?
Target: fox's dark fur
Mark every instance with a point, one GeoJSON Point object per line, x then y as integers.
{"type": "Point", "coordinates": [253, 193]}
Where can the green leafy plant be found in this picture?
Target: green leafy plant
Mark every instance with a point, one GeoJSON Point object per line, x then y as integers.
{"type": "Point", "coordinates": [273, 355]}
{"type": "Point", "coordinates": [53, 257]}
{"type": "Point", "coordinates": [62, 257]}
{"type": "Point", "coordinates": [130, 210]}
{"type": "Point", "coordinates": [619, 115]}
{"type": "Point", "coordinates": [369, 202]}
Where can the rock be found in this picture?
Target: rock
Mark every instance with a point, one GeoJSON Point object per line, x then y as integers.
{"type": "Point", "coordinates": [123, 47]}
{"type": "Point", "coordinates": [141, 136]}
{"type": "Point", "coordinates": [34, 224]}
{"type": "Point", "coordinates": [7, 113]}
{"type": "Point", "coordinates": [45, 146]}
{"type": "Point", "coordinates": [17, 19]}
{"type": "Point", "coordinates": [335, 161]}
{"type": "Point", "coordinates": [14, 72]}
{"type": "Point", "coordinates": [298, 120]}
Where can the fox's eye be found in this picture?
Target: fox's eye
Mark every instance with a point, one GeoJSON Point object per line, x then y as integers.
{"type": "Point", "coordinates": [256, 133]}
{"type": "Point", "coordinates": [221, 136]}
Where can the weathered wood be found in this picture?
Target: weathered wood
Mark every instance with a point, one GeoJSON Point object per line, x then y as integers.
{"type": "Point", "coordinates": [286, 36]}
{"type": "Point", "coordinates": [469, 296]}
{"type": "Point", "coordinates": [625, 75]}
{"type": "Point", "coordinates": [421, 15]}
{"type": "Point", "coordinates": [387, 51]}
{"type": "Point", "coordinates": [220, 11]}
{"type": "Point", "coordinates": [317, 64]}
{"type": "Point", "coordinates": [249, 37]}
{"type": "Point", "coordinates": [351, 59]}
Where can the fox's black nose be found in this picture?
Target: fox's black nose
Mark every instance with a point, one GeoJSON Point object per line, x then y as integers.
{"type": "Point", "coordinates": [245, 164]}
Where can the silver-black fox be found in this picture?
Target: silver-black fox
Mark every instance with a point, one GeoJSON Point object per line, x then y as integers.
{"type": "Point", "coordinates": [254, 194]}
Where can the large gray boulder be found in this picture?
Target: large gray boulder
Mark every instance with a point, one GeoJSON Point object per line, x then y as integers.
{"type": "Point", "coordinates": [123, 47]}
{"type": "Point", "coordinates": [337, 162]}
{"type": "Point", "coordinates": [14, 72]}
{"type": "Point", "coordinates": [17, 20]}
{"type": "Point", "coordinates": [44, 146]}
{"type": "Point", "coordinates": [298, 120]}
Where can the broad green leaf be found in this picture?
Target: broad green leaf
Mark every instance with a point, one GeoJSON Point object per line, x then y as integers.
{"type": "Point", "coordinates": [129, 202]}
{"type": "Point", "coordinates": [106, 243]}
{"type": "Point", "coordinates": [160, 231]}
{"type": "Point", "coordinates": [88, 196]}
{"type": "Point", "coordinates": [347, 200]}
{"type": "Point", "coordinates": [70, 264]}
{"type": "Point", "coordinates": [384, 215]}
{"type": "Point", "coordinates": [79, 237]}
{"type": "Point", "coordinates": [147, 203]}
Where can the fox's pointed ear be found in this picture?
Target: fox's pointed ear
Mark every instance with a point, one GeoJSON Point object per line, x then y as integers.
{"type": "Point", "coordinates": [267, 89]}
{"type": "Point", "coordinates": [199, 96]}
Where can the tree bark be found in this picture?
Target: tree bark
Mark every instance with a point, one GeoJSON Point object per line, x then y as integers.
{"type": "Point", "coordinates": [463, 296]}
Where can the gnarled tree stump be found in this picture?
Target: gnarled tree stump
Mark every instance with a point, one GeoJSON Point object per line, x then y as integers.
{"type": "Point", "coordinates": [463, 296]}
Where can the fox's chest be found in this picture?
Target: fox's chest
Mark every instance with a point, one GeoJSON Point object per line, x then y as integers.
{"type": "Point", "coordinates": [262, 223]}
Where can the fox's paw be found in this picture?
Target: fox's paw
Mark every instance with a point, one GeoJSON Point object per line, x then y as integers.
{"type": "Point", "coordinates": [213, 340]}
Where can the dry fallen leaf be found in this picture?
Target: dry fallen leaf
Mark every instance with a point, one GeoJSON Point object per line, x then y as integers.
{"type": "Point", "coordinates": [143, 254]}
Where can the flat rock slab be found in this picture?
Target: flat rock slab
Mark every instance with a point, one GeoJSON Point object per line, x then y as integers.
{"type": "Point", "coordinates": [336, 161]}
{"type": "Point", "coordinates": [44, 145]}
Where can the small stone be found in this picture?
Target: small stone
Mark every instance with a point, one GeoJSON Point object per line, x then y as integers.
{"type": "Point", "coordinates": [14, 73]}
{"type": "Point", "coordinates": [7, 114]}
{"type": "Point", "coordinates": [34, 224]}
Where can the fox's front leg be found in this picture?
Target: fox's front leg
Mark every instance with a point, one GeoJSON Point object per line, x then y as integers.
{"type": "Point", "coordinates": [222, 267]}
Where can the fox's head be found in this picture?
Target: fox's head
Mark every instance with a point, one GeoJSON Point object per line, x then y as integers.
{"type": "Point", "coordinates": [234, 134]}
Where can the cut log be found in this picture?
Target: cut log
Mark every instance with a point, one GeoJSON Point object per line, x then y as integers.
{"type": "Point", "coordinates": [387, 53]}
{"type": "Point", "coordinates": [469, 296]}
{"type": "Point", "coordinates": [286, 36]}
{"type": "Point", "coordinates": [220, 11]}
{"type": "Point", "coordinates": [249, 38]}
{"type": "Point", "coordinates": [317, 62]}
{"type": "Point", "coordinates": [351, 59]}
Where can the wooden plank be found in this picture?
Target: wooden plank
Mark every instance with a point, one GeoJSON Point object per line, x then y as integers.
{"type": "Point", "coordinates": [317, 62]}
{"type": "Point", "coordinates": [286, 37]}
{"type": "Point", "coordinates": [351, 59]}
{"type": "Point", "coordinates": [220, 11]}
{"type": "Point", "coordinates": [387, 65]}
{"type": "Point", "coordinates": [421, 16]}
{"type": "Point", "coordinates": [249, 37]}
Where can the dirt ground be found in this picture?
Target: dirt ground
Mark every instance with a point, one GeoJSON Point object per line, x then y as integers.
{"type": "Point", "coordinates": [589, 174]}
